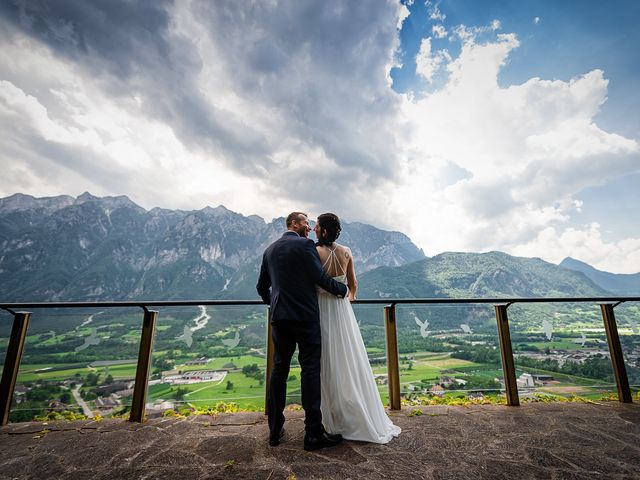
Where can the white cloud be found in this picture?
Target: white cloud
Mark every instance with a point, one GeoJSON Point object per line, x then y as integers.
{"type": "Point", "coordinates": [470, 34]}
{"type": "Point", "coordinates": [434, 11]}
{"type": "Point", "coordinates": [428, 63]}
{"type": "Point", "coordinates": [536, 20]}
{"type": "Point", "coordinates": [439, 31]}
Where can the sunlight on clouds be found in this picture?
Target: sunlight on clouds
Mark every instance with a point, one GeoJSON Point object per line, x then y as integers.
{"type": "Point", "coordinates": [81, 117]}
{"type": "Point", "coordinates": [403, 14]}
{"type": "Point", "coordinates": [426, 65]}
{"type": "Point", "coordinates": [16, 104]}
{"type": "Point", "coordinates": [528, 148]}
{"type": "Point", "coordinates": [586, 245]}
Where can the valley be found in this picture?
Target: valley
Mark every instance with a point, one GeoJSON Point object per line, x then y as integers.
{"type": "Point", "coordinates": [560, 351]}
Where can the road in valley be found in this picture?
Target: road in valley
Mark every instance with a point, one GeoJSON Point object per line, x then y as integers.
{"type": "Point", "coordinates": [79, 400]}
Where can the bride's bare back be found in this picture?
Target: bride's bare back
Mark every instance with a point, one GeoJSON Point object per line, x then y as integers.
{"type": "Point", "coordinates": [341, 263]}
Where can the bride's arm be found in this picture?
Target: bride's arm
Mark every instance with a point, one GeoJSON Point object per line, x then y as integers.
{"type": "Point", "coordinates": [351, 277]}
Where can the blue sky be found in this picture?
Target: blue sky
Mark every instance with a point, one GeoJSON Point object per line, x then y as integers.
{"type": "Point", "coordinates": [468, 125]}
{"type": "Point", "coordinates": [568, 39]}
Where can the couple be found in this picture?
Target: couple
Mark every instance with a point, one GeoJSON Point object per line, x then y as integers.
{"type": "Point", "coordinates": [310, 308]}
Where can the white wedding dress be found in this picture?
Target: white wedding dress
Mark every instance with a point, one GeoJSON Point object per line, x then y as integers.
{"type": "Point", "coordinates": [351, 403]}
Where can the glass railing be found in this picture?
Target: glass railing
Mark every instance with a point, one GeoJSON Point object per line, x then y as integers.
{"type": "Point", "coordinates": [84, 358]}
{"type": "Point", "coordinates": [80, 362]}
{"type": "Point", "coordinates": [448, 351]}
{"type": "Point", "coordinates": [561, 350]}
{"type": "Point", "coordinates": [208, 357]}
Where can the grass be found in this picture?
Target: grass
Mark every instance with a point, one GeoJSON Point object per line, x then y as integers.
{"type": "Point", "coordinates": [119, 372]}
{"type": "Point", "coordinates": [29, 372]}
{"type": "Point", "coordinates": [30, 375]}
{"type": "Point", "coordinates": [220, 362]}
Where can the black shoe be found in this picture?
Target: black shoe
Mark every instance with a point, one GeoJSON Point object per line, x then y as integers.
{"type": "Point", "coordinates": [274, 440]}
{"type": "Point", "coordinates": [336, 437]}
{"type": "Point", "coordinates": [322, 440]}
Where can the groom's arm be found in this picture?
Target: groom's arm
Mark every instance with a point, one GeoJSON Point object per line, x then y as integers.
{"type": "Point", "coordinates": [320, 277]}
{"type": "Point", "coordinates": [264, 282]}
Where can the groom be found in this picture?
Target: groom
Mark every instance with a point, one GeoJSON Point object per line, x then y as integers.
{"type": "Point", "coordinates": [289, 274]}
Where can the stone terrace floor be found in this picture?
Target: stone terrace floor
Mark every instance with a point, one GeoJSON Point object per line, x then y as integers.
{"type": "Point", "coordinates": [556, 441]}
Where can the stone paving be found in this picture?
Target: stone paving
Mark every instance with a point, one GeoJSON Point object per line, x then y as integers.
{"type": "Point", "coordinates": [554, 441]}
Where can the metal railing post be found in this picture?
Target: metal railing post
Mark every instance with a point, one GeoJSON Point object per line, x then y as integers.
{"type": "Point", "coordinates": [270, 350]}
{"type": "Point", "coordinates": [144, 363]}
{"type": "Point", "coordinates": [12, 363]}
{"type": "Point", "coordinates": [615, 350]}
{"type": "Point", "coordinates": [393, 367]}
{"type": "Point", "coordinates": [506, 354]}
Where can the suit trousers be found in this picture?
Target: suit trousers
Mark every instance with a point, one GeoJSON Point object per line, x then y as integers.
{"type": "Point", "coordinates": [286, 335]}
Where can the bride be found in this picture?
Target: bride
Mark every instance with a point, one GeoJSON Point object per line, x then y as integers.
{"type": "Point", "coordinates": [351, 403]}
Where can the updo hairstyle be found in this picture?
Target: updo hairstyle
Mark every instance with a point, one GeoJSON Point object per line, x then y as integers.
{"type": "Point", "coordinates": [329, 228]}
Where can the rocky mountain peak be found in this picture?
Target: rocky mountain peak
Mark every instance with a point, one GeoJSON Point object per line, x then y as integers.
{"type": "Point", "coordinates": [85, 197]}
{"type": "Point", "coordinates": [20, 202]}
{"type": "Point", "coordinates": [110, 203]}
{"type": "Point", "coordinates": [220, 210]}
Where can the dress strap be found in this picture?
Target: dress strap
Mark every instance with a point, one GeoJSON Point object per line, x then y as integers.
{"type": "Point", "coordinates": [327, 263]}
{"type": "Point", "coordinates": [332, 261]}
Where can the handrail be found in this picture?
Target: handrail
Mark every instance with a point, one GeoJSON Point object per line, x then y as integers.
{"type": "Point", "coordinates": [368, 301]}
{"type": "Point", "coordinates": [501, 304]}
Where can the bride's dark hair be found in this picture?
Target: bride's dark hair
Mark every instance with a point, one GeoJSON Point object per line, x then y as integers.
{"type": "Point", "coordinates": [329, 228]}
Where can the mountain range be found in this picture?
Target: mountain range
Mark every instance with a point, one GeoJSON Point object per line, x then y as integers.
{"type": "Point", "coordinates": [90, 248]}
{"type": "Point", "coordinates": [617, 283]}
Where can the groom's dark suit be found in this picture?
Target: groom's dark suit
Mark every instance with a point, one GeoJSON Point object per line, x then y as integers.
{"type": "Point", "coordinates": [289, 274]}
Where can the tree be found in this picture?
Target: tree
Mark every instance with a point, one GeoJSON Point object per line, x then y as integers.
{"type": "Point", "coordinates": [252, 371]}
{"type": "Point", "coordinates": [92, 378]}
{"type": "Point", "coordinates": [65, 397]}
{"type": "Point", "coordinates": [162, 362]}
{"type": "Point", "coordinates": [229, 385]}
{"type": "Point", "coordinates": [180, 393]}
{"type": "Point", "coordinates": [109, 379]}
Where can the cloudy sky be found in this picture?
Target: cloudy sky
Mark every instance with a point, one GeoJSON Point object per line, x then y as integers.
{"type": "Point", "coordinates": [471, 126]}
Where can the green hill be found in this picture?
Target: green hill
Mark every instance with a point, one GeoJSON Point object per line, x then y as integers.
{"type": "Point", "coordinates": [492, 274]}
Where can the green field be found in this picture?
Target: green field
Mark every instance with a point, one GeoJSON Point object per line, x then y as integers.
{"type": "Point", "coordinates": [554, 345]}
{"type": "Point", "coordinates": [29, 373]}
{"type": "Point", "coordinates": [220, 362]}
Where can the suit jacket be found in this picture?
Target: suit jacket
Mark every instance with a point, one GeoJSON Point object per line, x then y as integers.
{"type": "Point", "coordinates": [289, 274]}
